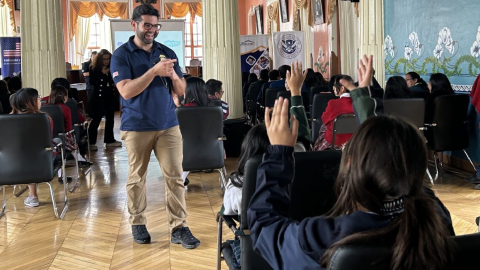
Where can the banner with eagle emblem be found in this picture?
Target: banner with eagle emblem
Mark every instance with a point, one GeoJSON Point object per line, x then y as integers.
{"type": "Point", "coordinates": [287, 47]}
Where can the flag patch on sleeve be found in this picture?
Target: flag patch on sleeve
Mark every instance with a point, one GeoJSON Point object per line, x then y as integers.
{"type": "Point", "coordinates": [115, 74]}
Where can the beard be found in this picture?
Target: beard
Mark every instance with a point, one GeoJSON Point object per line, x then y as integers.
{"type": "Point", "coordinates": [143, 36]}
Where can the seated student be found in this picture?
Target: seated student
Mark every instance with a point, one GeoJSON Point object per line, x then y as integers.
{"type": "Point", "coordinates": [5, 97]}
{"type": "Point", "coordinates": [252, 77]}
{"type": "Point", "coordinates": [397, 88]}
{"type": "Point", "coordinates": [215, 92]}
{"type": "Point", "coordinates": [335, 107]}
{"type": "Point", "coordinates": [415, 82]}
{"type": "Point", "coordinates": [27, 101]}
{"type": "Point", "coordinates": [439, 85]}
{"type": "Point", "coordinates": [14, 84]}
{"type": "Point", "coordinates": [59, 96]}
{"type": "Point", "coordinates": [384, 164]}
{"type": "Point", "coordinates": [273, 76]}
{"type": "Point", "coordinates": [196, 94]}
{"type": "Point", "coordinates": [263, 79]}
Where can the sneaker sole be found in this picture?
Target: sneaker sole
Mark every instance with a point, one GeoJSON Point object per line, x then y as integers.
{"type": "Point", "coordinates": [32, 204]}
{"type": "Point", "coordinates": [139, 241]}
{"type": "Point", "coordinates": [178, 241]}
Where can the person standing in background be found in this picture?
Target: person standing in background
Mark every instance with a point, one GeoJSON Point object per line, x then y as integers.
{"type": "Point", "coordinates": [86, 74]}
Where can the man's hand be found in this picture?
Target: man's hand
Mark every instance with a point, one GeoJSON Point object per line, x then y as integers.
{"type": "Point", "coordinates": [295, 78]}
{"type": "Point", "coordinates": [279, 133]}
{"type": "Point", "coordinates": [164, 68]}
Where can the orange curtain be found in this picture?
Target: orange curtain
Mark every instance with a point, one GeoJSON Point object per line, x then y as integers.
{"type": "Point", "coordinates": [12, 13]}
{"type": "Point", "coordinates": [182, 9]}
{"type": "Point", "coordinates": [88, 9]}
{"type": "Point", "coordinates": [272, 11]}
{"type": "Point", "coordinates": [299, 4]}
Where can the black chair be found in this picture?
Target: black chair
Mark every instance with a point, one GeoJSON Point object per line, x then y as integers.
{"type": "Point", "coordinates": [286, 95]}
{"type": "Point", "coordinates": [55, 112]}
{"type": "Point", "coordinates": [271, 96]}
{"type": "Point", "coordinates": [421, 94]}
{"type": "Point", "coordinates": [320, 102]}
{"type": "Point", "coordinates": [377, 92]}
{"type": "Point", "coordinates": [410, 109]}
{"type": "Point", "coordinates": [81, 129]}
{"type": "Point", "coordinates": [202, 132]}
{"type": "Point", "coordinates": [448, 130]}
{"type": "Point", "coordinates": [378, 257]}
{"type": "Point", "coordinates": [26, 154]}
{"type": "Point", "coordinates": [317, 90]}
{"type": "Point", "coordinates": [344, 124]}
{"type": "Point", "coordinates": [312, 194]}
{"type": "Point", "coordinates": [1, 108]}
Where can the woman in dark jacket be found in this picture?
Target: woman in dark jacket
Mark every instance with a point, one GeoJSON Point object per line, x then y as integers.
{"type": "Point", "coordinates": [103, 100]}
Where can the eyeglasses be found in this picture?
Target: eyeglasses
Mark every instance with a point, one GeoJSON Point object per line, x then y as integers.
{"type": "Point", "coordinates": [40, 97]}
{"type": "Point", "coordinates": [149, 26]}
{"type": "Point", "coordinates": [408, 79]}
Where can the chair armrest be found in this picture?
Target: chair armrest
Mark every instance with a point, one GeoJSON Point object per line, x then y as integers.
{"type": "Point", "coordinates": [57, 143]}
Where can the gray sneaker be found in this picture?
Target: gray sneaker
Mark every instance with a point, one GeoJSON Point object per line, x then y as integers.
{"type": "Point", "coordinates": [114, 144]}
{"type": "Point", "coordinates": [31, 202]}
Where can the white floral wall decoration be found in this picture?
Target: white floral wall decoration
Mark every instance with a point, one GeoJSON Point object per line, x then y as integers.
{"type": "Point", "coordinates": [443, 56]}
{"type": "Point", "coordinates": [321, 64]}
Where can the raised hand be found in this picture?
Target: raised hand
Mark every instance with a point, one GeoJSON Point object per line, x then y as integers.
{"type": "Point", "coordinates": [295, 78]}
{"type": "Point", "coordinates": [365, 71]}
{"type": "Point", "coordinates": [278, 130]}
{"type": "Point", "coordinates": [164, 68]}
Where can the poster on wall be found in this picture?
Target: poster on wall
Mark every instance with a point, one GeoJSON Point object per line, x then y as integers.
{"type": "Point", "coordinates": [11, 56]}
{"type": "Point", "coordinates": [287, 47]}
{"type": "Point", "coordinates": [448, 42]}
{"type": "Point", "coordinates": [254, 53]}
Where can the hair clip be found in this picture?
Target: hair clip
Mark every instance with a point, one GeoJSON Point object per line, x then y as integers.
{"type": "Point", "coordinates": [392, 208]}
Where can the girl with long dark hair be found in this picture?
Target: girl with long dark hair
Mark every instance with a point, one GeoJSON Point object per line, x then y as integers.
{"type": "Point", "coordinates": [439, 85]}
{"type": "Point", "coordinates": [196, 93]}
{"type": "Point", "coordinates": [397, 88]}
{"type": "Point", "coordinates": [102, 102]}
{"type": "Point", "coordinates": [415, 82]}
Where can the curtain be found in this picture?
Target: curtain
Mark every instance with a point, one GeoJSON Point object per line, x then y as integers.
{"type": "Point", "coordinates": [349, 38]}
{"type": "Point", "coordinates": [105, 31]}
{"type": "Point", "coordinates": [331, 10]}
{"type": "Point", "coordinates": [81, 39]}
{"type": "Point", "coordinates": [251, 13]}
{"type": "Point", "coordinates": [88, 9]}
{"type": "Point", "coordinates": [273, 16]}
{"type": "Point", "coordinates": [298, 4]}
{"type": "Point", "coordinates": [305, 15]}
{"type": "Point", "coordinates": [6, 29]}
{"type": "Point", "coordinates": [182, 9]}
{"type": "Point", "coordinates": [8, 8]}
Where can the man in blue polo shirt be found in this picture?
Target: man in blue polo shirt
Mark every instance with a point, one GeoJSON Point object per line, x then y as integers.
{"type": "Point", "coordinates": [145, 73]}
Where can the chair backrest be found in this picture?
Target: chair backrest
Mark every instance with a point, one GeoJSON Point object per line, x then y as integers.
{"type": "Point", "coordinates": [450, 116]}
{"type": "Point", "coordinates": [285, 95]}
{"type": "Point", "coordinates": [317, 90]}
{"type": "Point", "coordinates": [202, 132]}
{"type": "Point", "coordinates": [421, 94]}
{"type": "Point", "coordinates": [25, 149]}
{"type": "Point", "coordinates": [378, 257]}
{"type": "Point", "coordinates": [55, 112]}
{"type": "Point", "coordinates": [410, 109]}
{"type": "Point", "coordinates": [320, 102]}
{"type": "Point", "coordinates": [73, 106]}
{"type": "Point", "coordinates": [344, 124]}
{"type": "Point", "coordinates": [1, 108]}
{"type": "Point", "coordinates": [377, 92]}
{"type": "Point", "coordinates": [195, 62]}
{"type": "Point", "coordinates": [217, 102]}
{"type": "Point", "coordinates": [271, 96]}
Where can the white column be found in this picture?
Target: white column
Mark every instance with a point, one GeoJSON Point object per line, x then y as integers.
{"type": "Point", "coordinates": [372, 37]}
{"type": "Point", "coordinates": [221, 50]}
{"type": "Point", "coordinates": [43, 56]}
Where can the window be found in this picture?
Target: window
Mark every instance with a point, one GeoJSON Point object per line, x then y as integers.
{"type": "Point", "coordinates": [94, 41]}
{"type": "Point", "coordinates": [193, 38]}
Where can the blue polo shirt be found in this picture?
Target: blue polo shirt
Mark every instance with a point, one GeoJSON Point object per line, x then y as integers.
{"type": "Point", "coordinates": [153, 109]}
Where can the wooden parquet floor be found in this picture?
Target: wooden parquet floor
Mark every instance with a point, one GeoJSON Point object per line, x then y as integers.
{"type": "Point", "coordinates": [95, 233]}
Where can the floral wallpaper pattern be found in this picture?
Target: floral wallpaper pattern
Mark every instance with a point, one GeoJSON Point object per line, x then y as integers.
{"type": "Point", "coordinates": [442, 58]}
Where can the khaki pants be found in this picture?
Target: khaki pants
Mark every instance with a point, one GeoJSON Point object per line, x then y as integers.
{"type": "Point", "coordinates": [168, 148]}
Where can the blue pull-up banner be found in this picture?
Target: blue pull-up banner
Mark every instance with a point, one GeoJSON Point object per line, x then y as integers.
{"type": "Point", "coordinates": [11, 56]}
